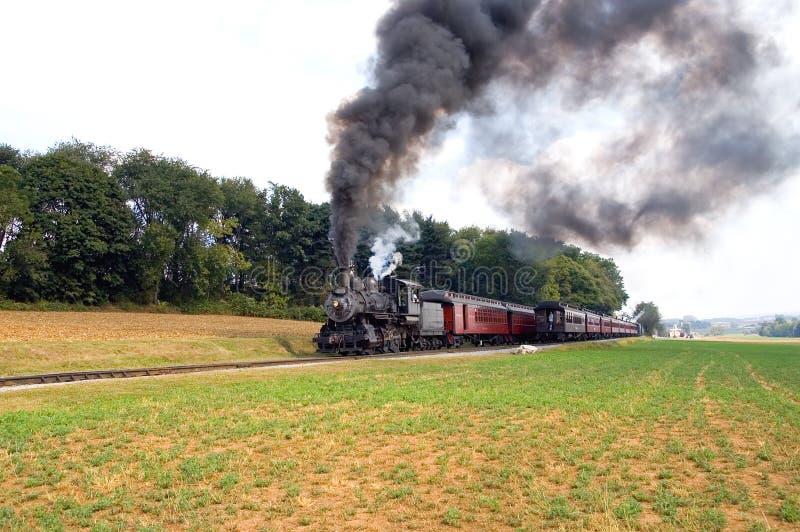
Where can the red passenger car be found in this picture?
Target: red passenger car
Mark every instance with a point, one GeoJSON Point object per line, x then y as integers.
{"type": "Point", "coordinates": [522, 320]}
{"type": "Point", "coordinates": [480, 319]}
{"type": "Point", "coordinates": [594, 327]}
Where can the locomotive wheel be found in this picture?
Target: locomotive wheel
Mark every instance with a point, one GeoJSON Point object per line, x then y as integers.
{"type": "Point", "coordinates": [394, 346]}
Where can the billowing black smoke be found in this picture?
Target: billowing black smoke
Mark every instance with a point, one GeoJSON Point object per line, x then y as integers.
{"type": "Point", "coordinates": [685, 70]}
{"type": "Point", "coordinates": [434, 57]}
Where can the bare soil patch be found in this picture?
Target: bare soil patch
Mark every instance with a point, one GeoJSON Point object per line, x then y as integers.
{"type": "Point", "coordinates": [760, 380]}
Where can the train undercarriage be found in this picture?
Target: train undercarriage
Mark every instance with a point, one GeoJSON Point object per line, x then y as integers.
{"type": "Point", "coordinates": [362, 337]}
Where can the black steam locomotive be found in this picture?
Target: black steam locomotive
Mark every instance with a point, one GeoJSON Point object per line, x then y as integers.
{"type": "Point", "coordinates": [368, 316]}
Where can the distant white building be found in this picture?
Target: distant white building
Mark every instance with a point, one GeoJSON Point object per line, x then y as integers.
{"type": "Point", "coordinates": [675, 332]}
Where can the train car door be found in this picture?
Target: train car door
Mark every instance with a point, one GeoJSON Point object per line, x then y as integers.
{"type": "Point", "coordinates": [449, 321]}
{"type": "Point", "coordinates": [458, 318]}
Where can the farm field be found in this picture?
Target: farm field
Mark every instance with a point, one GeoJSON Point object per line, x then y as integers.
{"type": "Point", "coordinates": [639, 434]}
{"type": "Point", "coordinates": [43, 342]}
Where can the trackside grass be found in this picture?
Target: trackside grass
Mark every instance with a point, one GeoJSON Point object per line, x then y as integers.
{"type": "Point", "coordinates": [641, 435]}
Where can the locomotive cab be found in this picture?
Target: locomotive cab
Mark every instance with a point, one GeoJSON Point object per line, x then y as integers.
{"type": "Point", "coordinates": [406, 293]}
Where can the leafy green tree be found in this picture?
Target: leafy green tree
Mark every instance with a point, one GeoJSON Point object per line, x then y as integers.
{"type": "Point", "coordinates": [321, 253]}
{"type": "Point", "coordinates": [781, 328]}
{"type": "Point", "coordinates": [297, 241]}
{"type": "Point", "coordinates": [550, 291]}
{"type": "Point", "coordinates": [613, 282]}
{"type": "Point", "coordinates": [584, 279]}
{"type": "Point", "coordinates": [535, 249]}
{"type": "Point", "coordinates": [171, 199]}
{"type": "Point", "coordinates": [649, 316]}
{"type": "Point", "coordinates": [10, 156]}
{"type": "Point", "coordinates": [288, 225]}
{"type": "Point", "coordinates": [13, 206]}
{"type": "Point", "coordinates": [153, 251]}
{"type": "Point", "coordinates": [491, 267]}
{"type": "Point", "coordinates": [68, 232]}
{"type": "Point", "coordinates": [311, 280]}
{"type": "Point", "coordinates": [217, 264]}
{"type": "Point", "coordinates": [575, 283]}
{"type": "Point", "coordinates": [104, 157]}
{"type": "Point", "coordinates": [246, 203]}
{"type": "Point", "coordinates": [168, 191]}
{"type": "Point", "coordinates": [79, 220]}
{"type": "Point", "coordinates": [431, 253]}
{"type": "Point", "coordinates": [24, 267]}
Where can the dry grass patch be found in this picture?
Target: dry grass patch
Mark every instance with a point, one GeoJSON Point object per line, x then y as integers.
{"type": "Point", "coordinates": [43, 342]}
{"type": "Point", "coordinates": [35, 326]}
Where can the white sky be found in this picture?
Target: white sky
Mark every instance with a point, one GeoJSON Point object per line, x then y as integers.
{"type": "Point", "coordinates": [242, 88]}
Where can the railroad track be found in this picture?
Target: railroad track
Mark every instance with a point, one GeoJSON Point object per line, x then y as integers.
{"type": "Point", "coordinates": [78, 376]}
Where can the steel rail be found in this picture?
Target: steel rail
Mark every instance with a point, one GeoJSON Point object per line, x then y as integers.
{"type": "Point", "coordinates": [101, 374]}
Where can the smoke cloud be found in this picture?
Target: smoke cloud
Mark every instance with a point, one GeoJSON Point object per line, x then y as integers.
{"type": "Point", "coordinates": [683, 75]}
{"type": "Point", "coordinates": [695, 134]}
{"type": "Point", "coordinates": [433, 58]}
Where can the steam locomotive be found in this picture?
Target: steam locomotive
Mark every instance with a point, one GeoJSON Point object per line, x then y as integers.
{"type": "Point", "coordinates": [367, 316]}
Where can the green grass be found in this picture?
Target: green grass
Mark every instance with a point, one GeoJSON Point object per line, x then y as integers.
{"type": "Point", "coordinates": [592, 437]}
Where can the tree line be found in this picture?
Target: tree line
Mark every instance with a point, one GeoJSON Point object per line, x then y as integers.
{"type": "Point", "coordinates": [781, 327]}
{"type": "Point", "coordinates": [84, 224]}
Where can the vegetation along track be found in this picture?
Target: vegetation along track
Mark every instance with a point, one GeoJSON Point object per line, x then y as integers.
{"type": "Point", "coordinates": [79, 376]}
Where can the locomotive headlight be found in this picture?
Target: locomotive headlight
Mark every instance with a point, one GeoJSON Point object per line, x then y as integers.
{"type": "Point", "coordinates": [340, 308]}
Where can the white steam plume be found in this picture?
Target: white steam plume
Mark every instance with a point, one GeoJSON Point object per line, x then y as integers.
{"type": "Point", "coordinates": [385, 257]}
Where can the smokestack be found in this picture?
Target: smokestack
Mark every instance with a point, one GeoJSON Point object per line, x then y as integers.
{"type": "Point", "coordinates": [680, 74]}
{"type": "Point", "coordinates": [344, 279]}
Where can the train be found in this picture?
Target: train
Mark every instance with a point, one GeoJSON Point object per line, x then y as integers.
{"type": "Point", "coordinates": [368, 316]}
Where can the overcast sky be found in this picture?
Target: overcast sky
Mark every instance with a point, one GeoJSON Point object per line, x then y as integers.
{"type": "Point", "coordinates": [242, 88]}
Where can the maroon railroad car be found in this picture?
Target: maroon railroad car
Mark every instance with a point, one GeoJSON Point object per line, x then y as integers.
{"type": "Point", "coordinates": [482, 320]}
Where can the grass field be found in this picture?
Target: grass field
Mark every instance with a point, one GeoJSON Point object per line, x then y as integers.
{"type": "Point", "coordinates": [664, 435]}
{"type": "Point", "coordinates": [751, 338]}
{"type": "Point", "coordinates": [42, 342]}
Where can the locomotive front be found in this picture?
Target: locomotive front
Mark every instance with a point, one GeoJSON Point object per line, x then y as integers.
{"type": "Point", "coordinates": [353, 308]}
